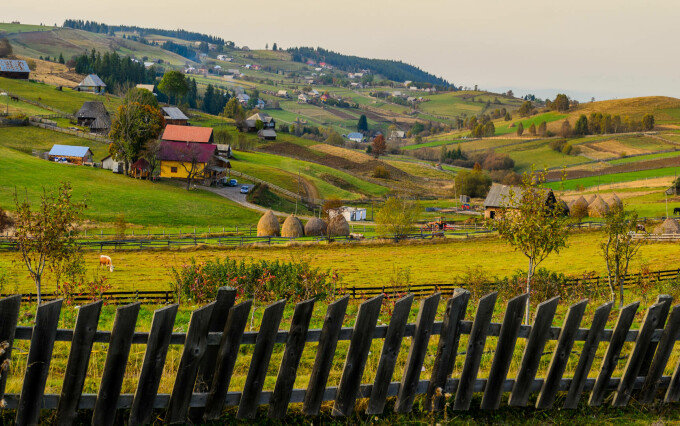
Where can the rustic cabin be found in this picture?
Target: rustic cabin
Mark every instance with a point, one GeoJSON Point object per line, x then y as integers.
{"type": "Point", "coordinates": [70, 154]}
{"type": "Point", "coordinates": [92, 83]}
{"type": "Point", "coordinates": [174, 115]}
{"type": "Point", "coordinates": [14, 68]}
{"type": "Point", "coordinates": [93, 114]}
{"type": "Point", "coordinates": [267, 134]}
{"type": "Point", "coordinates": [187, 134]}
{"type": "Point", "coordinates": [505, 196]}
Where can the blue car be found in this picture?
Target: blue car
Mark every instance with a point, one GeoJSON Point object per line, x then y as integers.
{"type": "Point", "coordinates": [232, 182]}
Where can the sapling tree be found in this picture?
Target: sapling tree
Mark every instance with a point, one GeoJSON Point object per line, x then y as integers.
{"type": "Point", "coordinates": [397, 217]}
{"type": "Point", "coordinates": [619, 247]}
{"type": "Point", "coordinates": [531, 223]}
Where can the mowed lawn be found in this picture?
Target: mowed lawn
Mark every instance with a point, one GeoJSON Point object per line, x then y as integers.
{"type": "Point", "coordinates": [109, 194]}
{"type": "Point", "coordinates": [363, 265]}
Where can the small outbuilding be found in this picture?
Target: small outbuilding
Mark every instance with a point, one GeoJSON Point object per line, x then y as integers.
{"type": "Point", "coordinates": [14, 68]}
{"type": "Point", "coordinates": [140, 169]}
{"type": "Point", "coordinates": [92, 83]}
{"type": "Point", "coordinates": [267, 134]}
{"type": "Point", "coordinates": [70, 154]}
{"type": "Point", "coordinates": [175, 116]}
{"type": "Point", "coordinates": [93, 114]}
{"type": "Point", "coordinates": [109, 163]}
{"type": "Point", "coordinates": [505, 196]}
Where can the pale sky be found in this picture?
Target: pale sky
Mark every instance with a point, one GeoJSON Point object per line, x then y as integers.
{"type": "Point", "coordinates": [600, 48]}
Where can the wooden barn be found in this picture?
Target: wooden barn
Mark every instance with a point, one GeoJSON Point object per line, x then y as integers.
{"type": "Point", "coordinates": [14, 68]}
{"type": "Point", "coordinates": [92, 83]}
{"type": "Point", "coordinates": [250, 123]}
{"type": "Point", "coordinates": [70, 154]}
{"type": "Point", "coordinates": [174, 115]}
{"type": "Point", "coordinates": [267, 134]}
{"type": "Point", "coordinates": [93, 114]}
{"type": "Point", "coordinates": [505, 196]}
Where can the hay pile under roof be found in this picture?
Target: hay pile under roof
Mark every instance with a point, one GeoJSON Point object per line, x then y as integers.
{"type": "Point", "coordinates": [315, 227]}
{"type": "Point", "coordinates": [591, 198]}
{"type": "Point", "coordinates": [292, 228]}
{"type": "Point", "coordinates": [338, 226]}
{"type": "Point", "coordinates": [598, 208]}
{"type": "Point", "coordinates": [669, 226]}
{"type": "Point", "coordinates": [268, 226]}
{"type": "Point", "coordinates": [614, 201]}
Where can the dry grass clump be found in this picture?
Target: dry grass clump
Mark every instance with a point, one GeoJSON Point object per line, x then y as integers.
{"type": "Point", "coordinates": [292, 228]}
{"type": "Point", "coordinates": [315, 227]}
{"type": "Point", "coordinates": [268, 226]}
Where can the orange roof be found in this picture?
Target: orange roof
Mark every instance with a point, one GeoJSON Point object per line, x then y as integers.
{"type": "Point", "coordinates": [187, 134]}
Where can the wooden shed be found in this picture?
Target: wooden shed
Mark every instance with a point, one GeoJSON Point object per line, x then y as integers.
{"type": "Point", "coordinates": [70, 154]}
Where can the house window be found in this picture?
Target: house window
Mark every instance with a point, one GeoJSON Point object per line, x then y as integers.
{"type": "Point", "coordinates": [173, 169]}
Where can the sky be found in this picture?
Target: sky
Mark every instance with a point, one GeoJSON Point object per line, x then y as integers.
{"type": "Point", "coordinates": [586, 48]}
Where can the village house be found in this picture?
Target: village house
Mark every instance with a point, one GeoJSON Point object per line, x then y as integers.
{"type": "Point", "coordinates": [224, 58]}
{"type": "Point", "coordinates": [243, 98]}
{"type": "Point", "coordinates": [267, 134]}
{"type": "Point", "coordinates": [93, 114]}
{"type": "Point", "coordinates": [302, 98]}
{"type": "Point", "coordinates": [70, 154]}
{"type": "Point", "coordinates": [505, 196]}
{"type": "Point", "coordinates": [397, 135]}
{"type": "Point", "coordinates": [108, 163]}
{"type": "Point", "coordinates": [282, 93]}
{"type": "Point", "coordinates": [175, 116]}
{"type": "Point", "coordinates": [13, 68]}
{"type": "Point", "coordinates": [92, 83]}
{"type": "Point", "coordinates": [250, 123]}
{"type": "Point", "coordinates": [149, 64]}
{"type": "Point", "coordinates": [148, 87]}
{"type": "Point", "coordinates": [201, 159]}
{"type": "Point", "coordinates": [260, 104]}
{"type": "Point", "coordinates": [355, 137]}
{"type": "Point", "coordinates": [187, 134]}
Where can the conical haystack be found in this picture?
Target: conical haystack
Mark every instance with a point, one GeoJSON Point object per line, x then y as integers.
{"type": "Point", "coordinates": [292, 228]}
{"type": "Point", "coordinates": [591, 198]}
{"type": "Point", "coordinates": [598, 208]}
{"type": "Point", "coordinates": [561, 204]}
{"type": "Point", "coordinates": [579, 207]}
{"type": "Point", "coordinates": [614, 201]}
{"type": "Point", "coordinates": [315, 227]}
{"type": "Point", "coordinates": [268, 226]}
{"type": "Point", "coordinates": [338, 226]}
{"type": "Point", "coordinates": [669, 226]}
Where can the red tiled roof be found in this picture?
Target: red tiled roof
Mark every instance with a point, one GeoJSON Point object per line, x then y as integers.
{"type": "Point", "coordinates": [184, 152]}
{"type": "Point", "coordinates": [175, 133]}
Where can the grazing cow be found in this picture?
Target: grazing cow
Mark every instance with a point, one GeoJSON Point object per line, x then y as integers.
{"type": "Point", "coordinates": [676, 210]}
{"type": "Point", "coordinates": [14, 98]}
{"type": "Point", "coordinates": [640, 227]}
{"type": "Point", "coordinates": [106, 262]}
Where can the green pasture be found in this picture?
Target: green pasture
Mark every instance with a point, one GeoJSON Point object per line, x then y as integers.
{"type": "Point", "coordinates": [588, 182]}
{"type": "Point", "coordinates": [503, 127]}
{"type": "Point", "coordinates": [539, 155]}
{"type": "Point", "coordinates": [26, 139]}
{"type": "Point", "coordinates": [644, 158]}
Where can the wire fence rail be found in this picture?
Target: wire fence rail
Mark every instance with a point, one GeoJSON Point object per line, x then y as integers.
{"type": "Point", "coordinates": [216, 338]}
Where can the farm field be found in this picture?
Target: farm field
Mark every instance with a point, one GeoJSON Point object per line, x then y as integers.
{"type": "Point", "coordinates": [538, 154]}
{"type": "Point", "coordinates": [29, 138]}
{"type": "Point", "coordinates": [645, 158]}
{"type": "Point", "coordinates": [588, 182]}
{"type": "Point", "coordinates": [503, 127]}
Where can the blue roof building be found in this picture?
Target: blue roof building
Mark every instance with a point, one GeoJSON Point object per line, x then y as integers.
{"type": "Point", "coordinates": [355, 136]}
{"type": "Point", "coordinates": [70, 154]}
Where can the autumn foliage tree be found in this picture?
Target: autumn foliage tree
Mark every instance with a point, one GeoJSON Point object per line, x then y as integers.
{"type": "Point", "coordinates": [379, 146]}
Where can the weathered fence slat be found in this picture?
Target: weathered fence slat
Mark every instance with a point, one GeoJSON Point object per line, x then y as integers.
{"type": "Point", "coordinates": [295, 345]}
{"type": "Point", "coordinates": [673, 391]}
{"type": "Point", "coordinates": [416, 355]}
{"type": "Point", "coordinates": [558, 363]}
{"type": "Point", "coordinates": [9, 316]}
{"type": "Point", "coordinates": [38, 362]}
{"type": "Point", "coordinates": [152, 365]}
{"type": "Point", "coordinates": [636, 358]}
{"type": "Point", "coordinates": [667, 301]}
{"type": "Point", "coordinates": [195, 348]}
{"type": "Point", "coordinates": [362, 337]}
{"type": "Point", "coordinates": [611, 357]}
{"type": "Point", "coordinates": [668, 337]}
{"type": "Point", "coordinates": [533, 351]}
{"type": "Point", "coordinates": [389, 355]}
{"type": "Point", "coordinates": [475, 349]}
{"type": "Point", "coordinates": [505, 348]}
{"type": "Point", "coordinates": [447, 349]}
{"type": "Point", "coordinates": [587, 357]}
{"type": "Point", "coordinates": [78, 360]}
{"type": "Point", "coordinates": [226, 359]}
{"type": "Point", "coordinates": [114, 367]}
{"type": "Point", "coordinates": [259, 363]}
{"type": "Point", "coordinates": [325, 351]}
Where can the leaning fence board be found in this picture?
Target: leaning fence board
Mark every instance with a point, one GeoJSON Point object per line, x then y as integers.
{"type": "Point", "coordinates": [38, 362]}
{"type": "Point", "coordinates": [505, 348]}
{"type": "Point", "coordinates": [9, 315]}
{"type": "Point", "coordinates": [295, 345]}
{"type": "Point", "coordinates": [416, 355]}
{"type": "Point", "coordinates": [670, 334]}
{"type": "Point", "coordinates": [389, 355]}
{"type": "Point", "coordinates": [475, 349]}
{"type": "Point", "coordinates": [259, 362]}
{"type": "Point", "coordinates": [667, 301]}
{"type": "Point", "coordinates": [114, 366]}
{"type": "Point", "coordinates": [636, 358]}
{"type": "Point", "coordinates": [446, 350]}
{"type": "Point", "coordinates": [587, 357]}
{"type": "Point", "coordinates": [532, 352]}
{"type": "Point", "coordinates": [78, 360]}
{"type": "Point", "coordinates": [152, 365]}
{"type": "Point", "coordinates": [611, 357]}
{"type": "Point", "coordinates": [350, 380]}
{"type": "Point", "coordinates": [558, 363]}
{"type": "Point", "coordinates": [325, 351]}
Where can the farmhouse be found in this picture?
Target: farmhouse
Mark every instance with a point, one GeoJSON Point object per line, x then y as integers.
{"type": "Point", "coordinates": [302, 98]}
{"type": "Point", "coordinates": [282, 93]}
{"type": "Point", "coordinates": [70, 154]}
{"type": "Point", "coordinates": [267, 134]}
{"type": "Point", "coordinates": [109, 163]}
{"type": "Point", "coordinates": [187, 134]}
{"type": "Point", "coordinates": [355, 137]}
{"type": "Point", "coordinates": [349, 213]}
{"type": "Point", "coordinates": [243, 98]}
{"type": "Point", "coordinates": [93, 114]}
{"type": "Point", "coordinates": [174, 115]}
{"type": "Point", "coordinates": [91, 83]}
{"type": "Point", "coordinates": [505, 196]}
{"type": "Point", "coordinates": [250, 123]}
{"type": "Point", "coordinates": [179, 159]}
{"type": "Point", "coordinates": [12, 68]}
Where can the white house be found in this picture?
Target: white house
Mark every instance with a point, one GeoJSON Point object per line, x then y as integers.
{"type": "Point", "coordinates": [351, 214]}
{"type": "Point", "coordinates": [302, 98]}
{"type": "Point", "coordinates": [355, 137]}
{"type": "Point", "coordinates": [282, 93]}
{"type": "Point", "coordinates": [109, 163]}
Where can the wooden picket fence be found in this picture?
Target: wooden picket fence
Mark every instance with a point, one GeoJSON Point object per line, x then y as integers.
{"type": "Point", "coordinates": [216, 333]}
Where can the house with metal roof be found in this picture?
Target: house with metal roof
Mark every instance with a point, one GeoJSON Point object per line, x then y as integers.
{"type": "Point", "coordinates": [91, 83]}
{"type": "Point", "coordinates": [70, 154]}
{"type": "Point", "coordinates": [93, 114]}
{"type": "Point", "coordinates": [201, 160]}
{"type": "Point", "coordinates": [174, 115]}
{"type": "Point", "coordinates": [355, 137]}
{"type": "Point", "coordinates": [187, 134]}
{"type": "Point", "coordinates": [14, 68]}
{"type": "Point", "coordinates": [267, 134]}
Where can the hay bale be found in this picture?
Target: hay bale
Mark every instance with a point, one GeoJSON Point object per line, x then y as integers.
{"type": "Point", "coordinates": [591, 198]}
{"type": "Point", "coordinates": [268, 226]}
{"type": "Point", "coordinates": [614, 201]}
{"type": "Point", "coordinates": [579, 207]}
{"type": "Point", "coordinates": [292, 228]}
{"type": "Point", "coordinates": [315, 227]}
{"type": "Point", "coordinates": [598, 208]}
{"type": "Point", "coordinates": [562, 205]}
{"type": "Point", "coordinates": [338, 226]}
{"type": "Point", "coordinates": [668, 226]}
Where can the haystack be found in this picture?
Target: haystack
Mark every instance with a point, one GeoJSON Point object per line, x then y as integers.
{"type": "Point", "coordinates": [669, 226]}
{"type": "Point", "coordinates": [614, 201]}
{"type": "Point", "coordinates": [315, 227]}
{"type": "Point", "coordinates": [579, 206]}
{"type": "Point", "coordinates": [561, 204]}
{"type": "Point", "coordinates": [591, 198]}
{"type": "Point", "coordinates": [598, 208]}
{"type": "Point", "coordinates": [338, 226]}
{"type": "Point", "coordinates": [292, 228]}
{"type": "Point", "coordinates": [268, 226]}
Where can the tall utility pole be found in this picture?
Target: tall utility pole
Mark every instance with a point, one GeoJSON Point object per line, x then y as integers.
{"type": "Point", "coordinates": [298, 192]}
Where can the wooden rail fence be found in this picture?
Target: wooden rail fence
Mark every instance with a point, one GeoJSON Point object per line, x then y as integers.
{"type": "Point", "coordinates": [216, 333]}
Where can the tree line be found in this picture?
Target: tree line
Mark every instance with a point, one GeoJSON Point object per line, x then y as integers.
{"type": "Point", "coordinates": [113, 69]}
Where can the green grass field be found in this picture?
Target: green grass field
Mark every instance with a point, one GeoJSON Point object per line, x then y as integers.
{"type": "Point", "coordinates": [644, 158]}
{"type": "Point", "coordinates": [27, 139]}
{"type": "Point", "coordinates": [614, 178]}
{"type": "Point", "coordinates": [538, 154]}
{"type": "Point", "coordinates": [503, 127]}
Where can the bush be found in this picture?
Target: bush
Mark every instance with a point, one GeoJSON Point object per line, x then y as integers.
{"type": "Point", "coordinates": [546, 285]}
{"type": "Point", "coordinates": [265, 281]}
{"type": "Point", "coordinates": [381, 172]}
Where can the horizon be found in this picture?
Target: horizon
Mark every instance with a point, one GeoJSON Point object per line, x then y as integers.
{"type": "Point", "coordinates": [587, 51]}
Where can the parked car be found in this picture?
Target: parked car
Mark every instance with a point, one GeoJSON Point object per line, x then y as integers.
{"type": "Point", "coordinates": [244, 189]}
{"type": "Point", "coordinates": [232, 182]}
